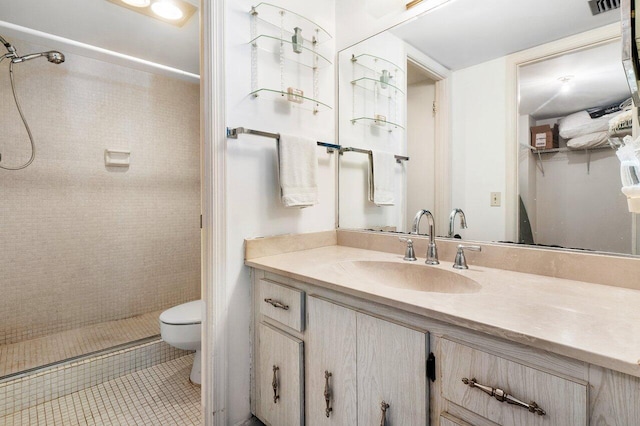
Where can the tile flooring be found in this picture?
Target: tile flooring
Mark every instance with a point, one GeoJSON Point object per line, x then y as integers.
{"type": "Point", "coordinates": [28, 354]}
{"type": "Point", "coordinates": [159, 395]}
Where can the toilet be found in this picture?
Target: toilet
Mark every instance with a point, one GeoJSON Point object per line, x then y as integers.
{"type": "Point", "coordinates": [180, 327]}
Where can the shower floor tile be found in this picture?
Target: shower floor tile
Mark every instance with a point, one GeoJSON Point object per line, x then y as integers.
{"type": "Point", "coordinates": [159, 395]}
{"type": "Point", "coordinates": [28, 354]}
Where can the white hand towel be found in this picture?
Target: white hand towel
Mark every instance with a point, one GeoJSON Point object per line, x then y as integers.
{"type": "Point", "coordinates": [382, 181]}
{"type": "Point", "coordinates": [298, 170]}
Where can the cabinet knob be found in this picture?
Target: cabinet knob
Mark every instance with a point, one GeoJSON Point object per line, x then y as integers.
{"type": "Point", "coordinates": [384, 407]}
{"type": "Point", "coordinates": [502, 396]}
{"type": "Point", "coordinates": [327, 393]}
{"type": "Point", "coordinates": [274, 384]}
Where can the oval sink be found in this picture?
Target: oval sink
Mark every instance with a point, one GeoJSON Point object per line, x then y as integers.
{"type": "Point", "coordinates": [410, 276]}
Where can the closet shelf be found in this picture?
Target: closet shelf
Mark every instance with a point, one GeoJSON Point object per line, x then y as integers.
{"type": "Point", "coordinates": [279, 17]}
{"type": "Point", "coordinates": [538, 154]}
{"type": "Point", "coordinates": [565, 149]}
{"type": "Point", "coordinates": [278, 95]}
{"type": "Point", "coordinates": [374, 122]}
{"type": "Point", "coordinates": [371, 83]}
{"type": "Point", "coordinates": [308, 57]}
{"type": "Point", "coordinates": [376, 64]}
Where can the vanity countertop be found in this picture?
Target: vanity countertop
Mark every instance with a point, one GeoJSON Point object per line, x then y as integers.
{"type": "Point", "coordinates": [593, 323]}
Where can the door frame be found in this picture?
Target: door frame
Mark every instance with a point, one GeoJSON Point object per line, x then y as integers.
{"type": "Point", "coordinates": [215, 327]}
{"type": "Point", "coordinates": [573, 43]}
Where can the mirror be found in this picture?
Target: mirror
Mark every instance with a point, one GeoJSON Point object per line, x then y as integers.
{"type": "Point", "coordinates": [465, 91]}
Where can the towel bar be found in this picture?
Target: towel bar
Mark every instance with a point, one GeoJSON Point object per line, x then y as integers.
{"type": "Point", "coordinates": [232, 133]}
{"type": "Point", "coordinates": [399, 158]}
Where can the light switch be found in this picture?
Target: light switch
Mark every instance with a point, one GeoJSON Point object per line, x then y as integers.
{"type": "Point", "coordinates": [496, 199]}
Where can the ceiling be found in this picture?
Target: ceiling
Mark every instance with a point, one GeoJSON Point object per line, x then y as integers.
{"type": "Point", "coordinates": [103, 24]}
{"type": "Point", "coordinates": [462, 33]}
{"type": "Point", "coordinates": [598, 80]}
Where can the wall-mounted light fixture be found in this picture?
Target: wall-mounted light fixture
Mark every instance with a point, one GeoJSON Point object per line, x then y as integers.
{"type": "Point", "coordinates": [175, 12]}
{"type": "Point", "coordinates": [413, 3]}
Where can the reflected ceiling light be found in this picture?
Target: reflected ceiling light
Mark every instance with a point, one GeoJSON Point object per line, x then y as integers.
{"type": "Point", "coordinates": [137, 3]}
{"type": "Point", "coordinates": [566, 83]}
{"type": "Point", "coordinates": [167, 9]}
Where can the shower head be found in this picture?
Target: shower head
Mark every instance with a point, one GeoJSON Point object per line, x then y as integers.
{"type": "Point", "coordinates": [53, 56]}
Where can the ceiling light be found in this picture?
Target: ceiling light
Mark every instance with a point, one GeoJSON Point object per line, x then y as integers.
{"type": "Point", "coordinates": [174, 12]}
{"type": "Point", "coordinates": [137, 3]}
{"type": "Point", "coordinates": [167, 10]}
{"type": "Point", "coordinates": [566, 83]}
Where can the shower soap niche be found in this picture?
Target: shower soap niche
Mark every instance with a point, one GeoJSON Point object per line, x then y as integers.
{"type": "Point", "coordinates": [116, 158]}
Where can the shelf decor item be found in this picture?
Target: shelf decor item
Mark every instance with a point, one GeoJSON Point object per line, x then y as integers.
{"type": "Point", "coordinates": [287, 56]}
{"type": "Point", "coordinates": [378, 92]}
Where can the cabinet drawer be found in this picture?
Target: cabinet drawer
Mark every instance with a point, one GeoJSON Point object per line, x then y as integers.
{"type": "Point", "coordinates": [283, 304]}
{"type": "Point", "coordinates": [564, 401]}
{"type": "Point", "coordinates": [279, 378]}
{"type": "Point", "coordinates": [447, 419]}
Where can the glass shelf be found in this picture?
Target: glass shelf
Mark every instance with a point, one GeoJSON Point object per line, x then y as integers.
{"type": "Point", "coordinates": [376, 64]}
{"type": "Point", "coordinates": [370, 84]}
{"type": "Point", "coordinates": [272, 44]}
{"type": "Point", "coordinates": [370, 120]}
{"type": "Point", "coordinates": [309, 103]}
{"type": "Point", "coordinates": [279, 17]}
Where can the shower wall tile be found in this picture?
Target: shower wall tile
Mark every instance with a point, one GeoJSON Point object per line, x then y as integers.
{"type": "Point", "coordinates": [39, 387]}
{"type": "Point", "coordinates": [81, 243]}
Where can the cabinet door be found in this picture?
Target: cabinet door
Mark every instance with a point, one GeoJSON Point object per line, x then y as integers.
{"type": "Point", "coordinates": [392, 376]}
{"type": "Point", "coordinates": [331, 364]}
{"type": "Point", "coordinates": [279, 378]}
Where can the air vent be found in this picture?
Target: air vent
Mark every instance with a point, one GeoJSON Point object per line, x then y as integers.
{"type": "Point", "coordinates": [601, 6]}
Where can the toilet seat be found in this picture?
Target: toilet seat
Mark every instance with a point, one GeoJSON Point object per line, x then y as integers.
{"type": "Point", "coordinates": [185, 314]}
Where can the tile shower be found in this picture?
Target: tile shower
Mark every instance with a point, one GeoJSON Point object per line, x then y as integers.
{"type": "Point", "coordinates": [90, 255]}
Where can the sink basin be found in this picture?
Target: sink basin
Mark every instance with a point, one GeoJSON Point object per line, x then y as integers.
{"type": "Point", "coordinates": [410, 276]}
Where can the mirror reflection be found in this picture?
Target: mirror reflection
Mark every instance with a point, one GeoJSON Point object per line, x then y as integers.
{"type": "Point", "coordinates": [508, 129]}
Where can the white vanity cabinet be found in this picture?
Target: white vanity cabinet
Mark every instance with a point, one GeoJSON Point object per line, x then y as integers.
{"type": "Point", "coordinates": [324, 357]}
{"type": "Point", "coordinates": [365, 370]}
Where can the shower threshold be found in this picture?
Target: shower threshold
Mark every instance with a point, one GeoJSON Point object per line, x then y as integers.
{"type": "Point", "coordinates": [26, 357]}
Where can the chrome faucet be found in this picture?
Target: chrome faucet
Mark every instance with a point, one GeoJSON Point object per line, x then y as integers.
{"type": "Point", "coordinates": [461, 260]}
{"type": "Point", "coordinates": [452, 220]}
{"type": "Point", "coordinates": [409, 254]}
{"type": "Point", "coordinates": [432, 250]}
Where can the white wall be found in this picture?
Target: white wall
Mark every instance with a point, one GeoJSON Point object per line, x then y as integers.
{"type": "Point", "coordinates": [576, 209]}
{"type": "Point", "coordinates": [253, 202]}
{"type": "Point", "coordinates": [479, 146]}
{"type": "Point", "coordinates": [355, 209]}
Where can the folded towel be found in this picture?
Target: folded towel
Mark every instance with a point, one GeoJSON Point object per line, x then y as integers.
{"type": "Point", "coordinates": [298, 171]}
{"type": "Point", "coordinates": [593, 140]}
{"type": "Point", "coordinates": [382, 183]}
{"type": "Point", "coordinates": [581, 123]}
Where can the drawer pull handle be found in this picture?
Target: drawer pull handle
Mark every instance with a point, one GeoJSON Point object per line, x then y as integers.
{"type": "Point", "coordinates": [274, 385]}
{"type": "Point", "coordinates": [327, 393]}
{"type": "Point", "coordinates": [277, 304]}
{"type": "Point", "coordinates": [502, 396]}
{"type": "Point", "coordinates": [384, 407]}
